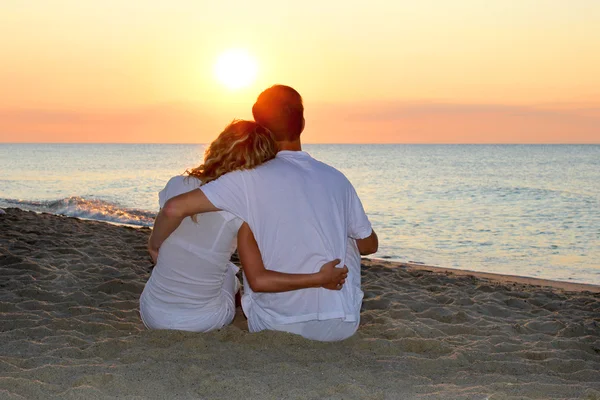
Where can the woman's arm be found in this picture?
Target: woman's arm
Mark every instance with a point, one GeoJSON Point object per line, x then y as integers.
{"type": "Point", "coordinates": [264, 280]}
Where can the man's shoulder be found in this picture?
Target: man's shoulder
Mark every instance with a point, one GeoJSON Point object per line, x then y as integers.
{"type": "Point", "coordinates": [277, 169]}
{"type": "Point", "coordinates": [331, 172]}
{"type": "Point", "coordinates": [241, 175]}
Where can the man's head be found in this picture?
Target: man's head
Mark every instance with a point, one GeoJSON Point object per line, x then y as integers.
{"type": "Point", "coordinates": [280, 109]}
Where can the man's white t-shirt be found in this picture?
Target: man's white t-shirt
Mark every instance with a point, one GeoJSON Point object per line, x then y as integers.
{"type": "Point", "coordinates": [302, 213]}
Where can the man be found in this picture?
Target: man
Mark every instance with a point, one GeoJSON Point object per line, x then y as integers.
{"type": "Point", "coordinates": [301, 213]}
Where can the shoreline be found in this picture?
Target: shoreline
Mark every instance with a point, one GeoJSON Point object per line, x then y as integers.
{"type": "Point", "coordinates": [493, 276]}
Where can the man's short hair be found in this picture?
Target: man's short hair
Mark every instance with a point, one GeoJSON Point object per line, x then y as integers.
{"type": "Point", "coordinates": [279, 109]}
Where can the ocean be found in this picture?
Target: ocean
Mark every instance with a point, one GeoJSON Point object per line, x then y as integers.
{"type": "Point", "coordinates": [529, 210]}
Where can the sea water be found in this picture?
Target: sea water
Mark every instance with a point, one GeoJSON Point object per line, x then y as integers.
{"type": "Point", "coordinates": [530, 210]}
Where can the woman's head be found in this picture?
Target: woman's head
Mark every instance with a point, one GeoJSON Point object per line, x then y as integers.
{"type": "Point", "coordinates": [242, 145]}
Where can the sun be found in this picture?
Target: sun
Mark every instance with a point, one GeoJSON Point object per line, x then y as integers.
{"type": "Point", "coordinates": [236, 68]}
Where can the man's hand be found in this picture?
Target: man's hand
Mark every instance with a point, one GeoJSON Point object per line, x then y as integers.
{"type": "Point", "coordinates": [152, 250]}
{"type": "Point", "coordinates": [333, 278]}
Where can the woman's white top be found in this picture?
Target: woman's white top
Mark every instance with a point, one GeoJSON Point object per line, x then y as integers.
{"type": "Point", "coordinates": [192, 264]}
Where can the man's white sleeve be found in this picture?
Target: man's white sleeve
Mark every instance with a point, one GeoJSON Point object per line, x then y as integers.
{"type": "Point", "coordinates": [229, 193]}
{"type": "Point", "coordinates": [359, 226]}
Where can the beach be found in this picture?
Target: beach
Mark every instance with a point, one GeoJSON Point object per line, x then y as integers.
{"type": "Point", "coordinates": [70, 328]}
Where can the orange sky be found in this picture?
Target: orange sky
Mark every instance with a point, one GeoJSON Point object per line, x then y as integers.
{"type": "Point", "coordinates": [465, 71]}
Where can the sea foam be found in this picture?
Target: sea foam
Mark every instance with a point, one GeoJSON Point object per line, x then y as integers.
{"type": "Point", "coordinates": [80, 207]}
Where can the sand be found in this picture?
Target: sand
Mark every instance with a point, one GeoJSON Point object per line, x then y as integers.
{"type": "Point", "coordinates": [70, 328]}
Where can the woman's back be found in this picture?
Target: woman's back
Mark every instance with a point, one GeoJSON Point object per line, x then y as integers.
{"type": "Point", "coordinates": [192, 263]}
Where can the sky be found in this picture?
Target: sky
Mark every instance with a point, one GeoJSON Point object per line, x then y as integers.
{"type": "Point", "coordinates": [379, 71]}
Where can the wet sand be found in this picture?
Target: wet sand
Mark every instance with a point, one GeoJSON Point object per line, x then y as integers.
{"type": "Point", "coordinates": [70, 328]}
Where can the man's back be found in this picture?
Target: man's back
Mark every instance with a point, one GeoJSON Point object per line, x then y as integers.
{"type": "Point", "coordinates": [302, 213]}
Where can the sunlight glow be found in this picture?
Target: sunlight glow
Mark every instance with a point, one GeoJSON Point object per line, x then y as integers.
{"type": "Point", "coordinates": [236, 69]}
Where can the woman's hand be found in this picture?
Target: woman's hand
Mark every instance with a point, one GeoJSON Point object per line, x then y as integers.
{"type": "Point", "coordinates": [333, 278]}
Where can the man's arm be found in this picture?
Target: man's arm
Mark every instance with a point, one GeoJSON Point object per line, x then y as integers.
{"type": "Point", "coordinates": [359, 226]}
{"type": "Point", "coordinates": [368, 245]}
{"type": "Point", "coordinates": [171, 215]}
{"type": "Point", "coordinates": [264, 280]}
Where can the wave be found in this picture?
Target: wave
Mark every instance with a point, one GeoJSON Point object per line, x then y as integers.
{"type": "Point", "coordinates": [79, 207]}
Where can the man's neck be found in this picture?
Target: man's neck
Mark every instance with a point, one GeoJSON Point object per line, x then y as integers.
{"type": "Point", "coordinates": [290, 146]}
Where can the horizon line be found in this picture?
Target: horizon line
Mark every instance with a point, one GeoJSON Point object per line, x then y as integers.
{"type": "Point", "coordinates": [327, 143]}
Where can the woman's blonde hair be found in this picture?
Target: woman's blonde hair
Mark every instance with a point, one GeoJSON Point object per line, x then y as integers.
{"type": "Point", "coordinates": [241, 145]}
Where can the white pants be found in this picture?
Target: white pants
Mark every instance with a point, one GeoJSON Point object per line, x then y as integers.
{"type": "Point", "coordinates": [195, 320]}
{"type": "Point", "coordinates": [329, 330]}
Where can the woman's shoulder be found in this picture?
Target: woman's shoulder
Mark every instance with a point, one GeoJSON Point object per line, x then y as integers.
{"type": "Point", "coordinates": [184, 181]}
{"type": "Point", "coordinates": [177, 185]}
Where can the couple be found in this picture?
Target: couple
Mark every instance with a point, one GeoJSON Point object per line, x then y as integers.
{"type": "Point", "coordinates": [288, 214]}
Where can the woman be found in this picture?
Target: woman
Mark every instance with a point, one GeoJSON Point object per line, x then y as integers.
{"type": "Point", "coordinates": [193, 284]}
